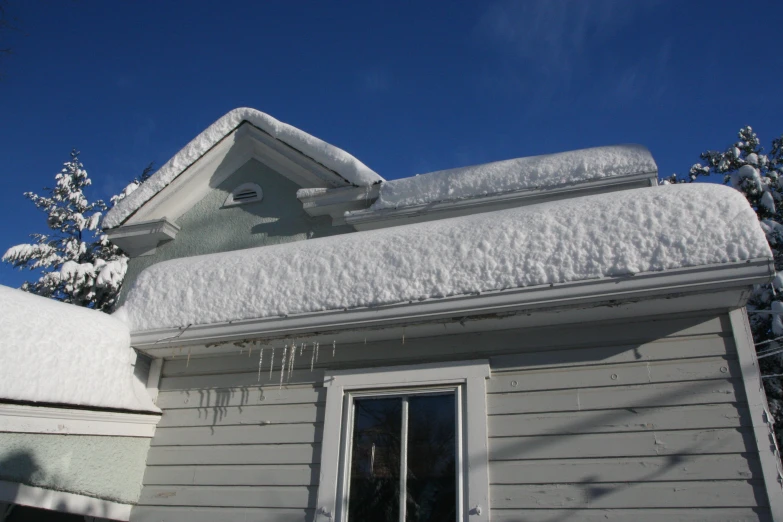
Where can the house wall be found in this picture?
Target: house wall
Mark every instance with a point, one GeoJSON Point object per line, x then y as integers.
{"type": "Point", "coordinates": [109, 468]}
{"type": "Point", "coordinates": [208, 228]}
{"type": "Point", "coordinates": [637, 420]}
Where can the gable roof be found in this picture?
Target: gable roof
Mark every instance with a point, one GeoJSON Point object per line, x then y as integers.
{"type": "Point", "coordinates": [327, 155]}
{"type": "Point", "coordinates": [613, 235]}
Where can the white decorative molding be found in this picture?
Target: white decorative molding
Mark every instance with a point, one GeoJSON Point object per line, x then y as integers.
{"type": "Point", "coordinates": [731, 279]}
{"type": "Point", "coordinates": [471, 375]}
{"type": "Point", "coordinates": [17, 418]}
{"type": "Point", "coordinates": [337, 201]}
{"type": "Point", "coordinates": [142, 238]}
{"type": "Point", "coordinates": [23, 495]}
{"type": "Point", "coordinates": [761, 419]}
{"type": "Point", "coordinates": [370, 219]}
{"type": "Point", "coordinates": [153, 379]}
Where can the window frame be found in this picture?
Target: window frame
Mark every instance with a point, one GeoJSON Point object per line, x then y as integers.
{"type": "Point", "coordinates": [467, 378]}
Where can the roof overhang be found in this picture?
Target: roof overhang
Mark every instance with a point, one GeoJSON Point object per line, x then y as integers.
{"type": "Point", "coordinates": [653, 293]}
{"type": "Point", "coordinates": [369, 219]}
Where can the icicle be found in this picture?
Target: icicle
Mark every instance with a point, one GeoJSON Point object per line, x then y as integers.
{"type": "Point", "coordinates": [365, 340]}
{"type": "Point", "coordinates": [312, 357]}
{"type": "Point", "coordinates": [271, 363]}
{"type": "Point", "coordinates": [260, 362]}
{"type": "Point", "coordinates": [317, 345]}
{"type": "Point", "coordinates": [188, 362]}
{"type": "Point", "coordinates": [282, 368]}
{"type": "Point", "coordinates": [291, 362]}
{"type": "Point", "coordinates": [403, 335]}
{"type": "Point", "coordinates": [249, 349]}
{"type": "Point", "coordinates": [334, 348]}
{"type": "Point", "coordinates": [301, 348]}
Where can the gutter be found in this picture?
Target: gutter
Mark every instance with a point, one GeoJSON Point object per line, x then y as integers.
{"type": "Point", "coordinates": [613, 290]}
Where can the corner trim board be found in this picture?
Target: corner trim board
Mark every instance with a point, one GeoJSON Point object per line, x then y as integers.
{"type": "Point", "coordinates": [768, 451]}
{"type": "Point", "coordinates": [43, 498]}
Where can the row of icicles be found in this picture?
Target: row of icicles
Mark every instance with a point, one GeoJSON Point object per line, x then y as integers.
{"type": "Point", "coordinates": [289, 358]}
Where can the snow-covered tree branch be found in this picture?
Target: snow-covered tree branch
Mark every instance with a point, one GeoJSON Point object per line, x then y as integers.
{"type": "Point", "coordinates": [759, 177]}
{"type": "Point", "coordinates": [76, 262]}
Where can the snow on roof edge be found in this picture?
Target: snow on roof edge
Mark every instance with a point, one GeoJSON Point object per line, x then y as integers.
{"type": "Point", "coordinates": [328, 155]}
{"type": "Point", "coordinates": [57, 353]}
{"type": "Point", "coordinates": [606, 235]}
{"type": "Point", "coordinates": [527, 173]}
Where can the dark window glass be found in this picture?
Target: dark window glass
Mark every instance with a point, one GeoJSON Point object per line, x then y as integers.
{"type": "Point", "coordinates": [375, 461]}
{"type": "Point", "coordinates": [432, 480]}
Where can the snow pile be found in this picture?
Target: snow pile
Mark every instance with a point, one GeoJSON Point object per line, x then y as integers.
{"type": "Point", "coordinates": [53, 352]}
{"type": "Point", "coordinates": [537, 172]}
{"type": "Point", "coordinates": [330, 156]}
{"type": "Point", "coordinates": [605, 235]}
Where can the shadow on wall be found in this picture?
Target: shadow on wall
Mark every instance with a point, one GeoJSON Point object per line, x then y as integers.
{"type": "Point", "coordinates": [21, 468]}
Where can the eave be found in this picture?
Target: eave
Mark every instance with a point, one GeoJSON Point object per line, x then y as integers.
{"type": "Point", "coordinates": [369, 219]}
{"type": "Point", "coordinates": [679, 290]}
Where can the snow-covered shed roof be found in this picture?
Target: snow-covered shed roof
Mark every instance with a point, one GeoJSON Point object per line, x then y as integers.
{"type": "Point", "coordinates": [59, 353]}
{"type": "Point", "coordinates": [536, 172]}
{"type": "Point", "coordinates": [592, 237]}
{"type": "Point", "coordinates": [328, 155]}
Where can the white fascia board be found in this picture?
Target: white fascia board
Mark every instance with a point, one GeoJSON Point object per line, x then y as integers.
{"type": "Point", "coordinates": [525, 300]}
{"type": "Point", "coordinates": [22, 418]}
{"type": "Point", "coordinates": [373, 219]}
{"type": "Point", "coordinates": [143, 238]}
{"type": "Point", "coordinates": [43, 498]}
{"type": "Point", "coordinates": [761, 419]}
{"type": "Point", "coordinates": [336, 202]}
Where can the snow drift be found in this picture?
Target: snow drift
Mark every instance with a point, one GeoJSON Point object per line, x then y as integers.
{"type": "Point", "coordinates": [60, 353]}
{"type": "Point", "coordinates": [616, 234]}
{"type": "Point", "coordinates": [536, 172]}
{"type": "Point", "coordinates": [328, 155]}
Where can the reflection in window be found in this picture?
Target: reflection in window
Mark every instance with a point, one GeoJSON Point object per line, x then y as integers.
{"type": "Point", "coordinates": [417, 434]}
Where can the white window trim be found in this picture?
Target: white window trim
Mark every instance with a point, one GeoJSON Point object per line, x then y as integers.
{"type": "Point", "coordinates": [470, 374]}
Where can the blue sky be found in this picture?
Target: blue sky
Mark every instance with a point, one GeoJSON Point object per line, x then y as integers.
{"type": "Point", "coordinates": [407, 87]}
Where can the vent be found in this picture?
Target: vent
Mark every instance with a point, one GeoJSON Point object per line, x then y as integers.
{"type": "Point", "coordinates": [243, 194]}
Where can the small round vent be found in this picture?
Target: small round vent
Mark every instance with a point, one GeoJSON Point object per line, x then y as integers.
{"type": "Point", "coordinates": [245, 193]}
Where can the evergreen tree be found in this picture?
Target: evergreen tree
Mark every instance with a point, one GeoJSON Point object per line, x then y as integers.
{"type": "Point", "coordinates": [759, 177]}
{"type": "Point", "coordinates": [77, 262]}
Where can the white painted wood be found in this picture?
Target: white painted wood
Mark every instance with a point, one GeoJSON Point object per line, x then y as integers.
{"type": "Point", "coordinates": [236, 475]}
{"type": "Point", "coordinates": [23, 495]}
{"type": "Point", "coordinates": [764, 436]}
{"type": "Point", "coordinates": [729, 493]}
{"type": "Point", "coordinates": [700, 514]}
{"type": "Point", "coordinates": [476, 449]}
{"type": "Point", "coordinates": [604, 445]}
{"type": "Point", "coordinates": [699, 416]}
{"type": "Point", "coordinates": [244, 434]}
{"type": "Point", "coordinates": [143, 238]}
{"type": "Point", "coordinates": [153, 379]}
{"type": "Point", "coordinates": [235, 454]}
{"type": "Point", "coordinates": [17, 418]}
{"type": "Point", "coordinates": [227, 496]}
{"type": "Point", "coordinates": [341, 382]}
{"type": "Point", "coordinates": [634, 396]}
{"type": "Point", "coordinates": [625, 469]}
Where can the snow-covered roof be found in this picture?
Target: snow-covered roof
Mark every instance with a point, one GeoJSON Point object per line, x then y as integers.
{"type": "Point", "coordinates": [606, 235]}
{"type": "Point", "coordinates": [59, 353]}
{"type": "Point", "coordinates": [537, 172]}
{"type": "Point", "coordinates": [328, 155]}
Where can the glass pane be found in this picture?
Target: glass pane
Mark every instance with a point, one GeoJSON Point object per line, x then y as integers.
{"type": "Point", "coordinates": [432, 480]}
{"type": "Point", "coordinates": [375, 461]}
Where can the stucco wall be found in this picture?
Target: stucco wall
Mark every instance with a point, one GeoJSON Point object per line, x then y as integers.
{"type": "Point", "coordinates": [110, 468]}
{"type": "Point", "coordinates": [208, 227]}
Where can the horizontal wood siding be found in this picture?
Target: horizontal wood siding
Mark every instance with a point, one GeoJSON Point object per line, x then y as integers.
{"type": "Point", "coordinates": [641, 421]}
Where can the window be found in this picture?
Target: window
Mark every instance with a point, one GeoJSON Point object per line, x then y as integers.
{"type": "Point", "coordinates": [405, 444]}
